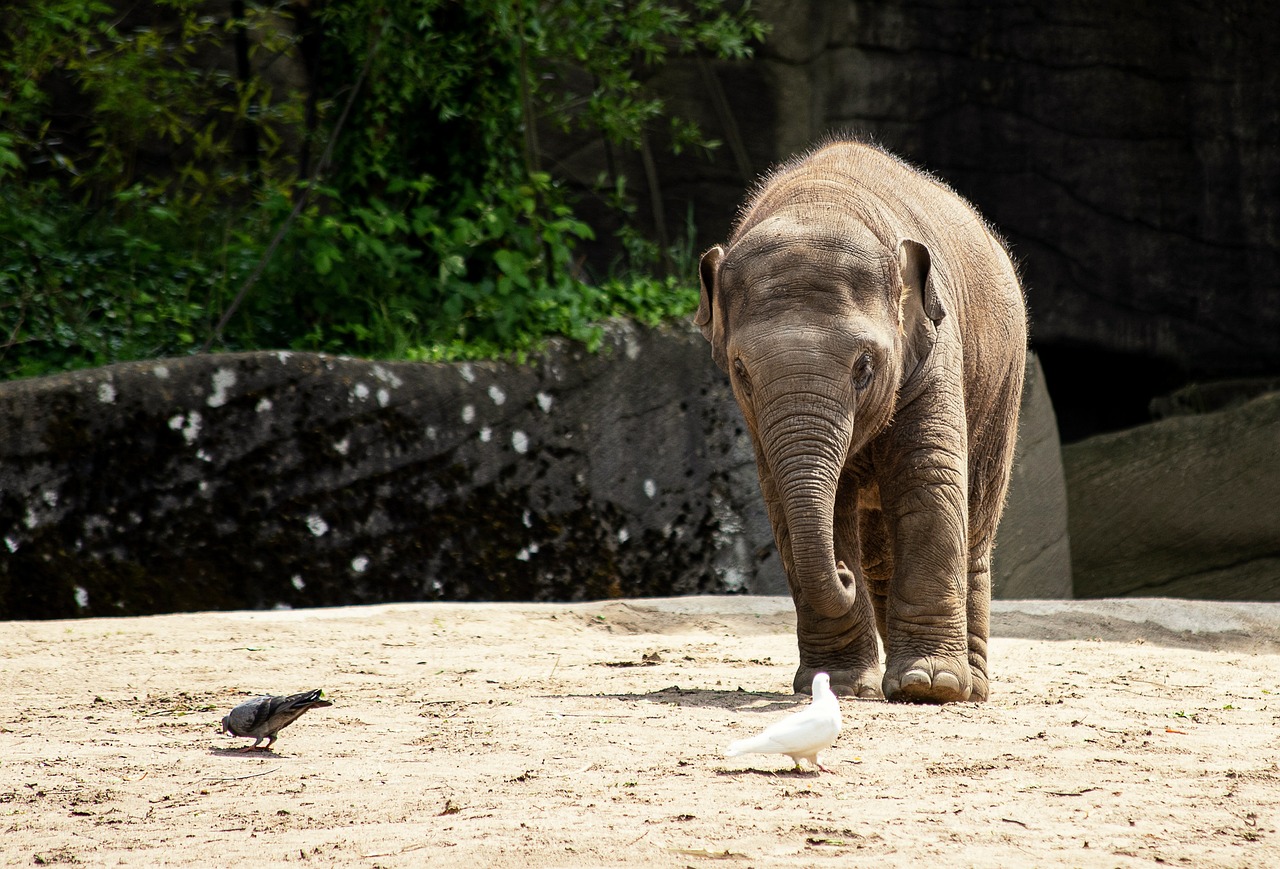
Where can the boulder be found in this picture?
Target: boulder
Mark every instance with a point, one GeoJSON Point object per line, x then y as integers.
{"type": "Point", "coordinates": [287, 479]}
{"type": "Point", "coordinates": [275, 479]}
{"type": "Point", "coordinates": [1185, 507]}
{"type": "Point", "coordinates": [1208, 396]}
{"type": "Point", "coordinates": [1032, 558]}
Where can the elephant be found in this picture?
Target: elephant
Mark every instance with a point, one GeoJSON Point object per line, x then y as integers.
{"type": "Point", "coordinates": [874, 332]}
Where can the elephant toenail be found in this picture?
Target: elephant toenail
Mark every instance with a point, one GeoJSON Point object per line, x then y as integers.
{"type": "Point", "coordinates": [914, 677]}
{"type": "Point", "coordinates": [947, 682]}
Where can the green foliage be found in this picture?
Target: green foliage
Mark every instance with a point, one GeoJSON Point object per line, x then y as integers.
{"type": "Point", "coordinates": [137, 105]}
{"type": "Point", "coordinates": [126, 283]}
{"type": "Point", "coordinates": [608, 42]}
{"type": "Point", "coordinates": [147, 161]}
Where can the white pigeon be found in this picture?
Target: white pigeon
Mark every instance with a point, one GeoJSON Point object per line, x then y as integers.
{"type": "Point", "coordinates": [801, 734]}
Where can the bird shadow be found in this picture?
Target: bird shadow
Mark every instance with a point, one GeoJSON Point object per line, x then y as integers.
{"type": "Point", "coordinates": [247, 753]}
{"type": "Point", "coordinates": [790, 772]}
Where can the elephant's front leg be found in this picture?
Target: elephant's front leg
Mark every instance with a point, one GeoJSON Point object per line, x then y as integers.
{"type": "Point", "coordinates": [928, 643]}
{"type": "Point", "coordinates": [844, 647]}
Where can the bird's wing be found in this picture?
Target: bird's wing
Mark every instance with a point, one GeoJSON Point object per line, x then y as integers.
{"type": "Point", "coordinates": [807, 730]}
{"type": "Point", "coordinates": [252, 714]}
{"type": "Point", "coordinates": [280, 712]}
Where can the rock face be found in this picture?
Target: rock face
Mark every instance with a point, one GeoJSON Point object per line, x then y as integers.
{"type": "Point", "coordinates": [283, 479]}
{"type": "Point", "coordinates": [1185, 507]}
{"type": "Point", "coordinates": [1124, 149]}
{"type": "Point", "coordinates": [1032, 557]}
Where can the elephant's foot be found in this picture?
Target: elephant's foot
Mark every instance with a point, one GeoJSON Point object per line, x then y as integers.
{"type": "Point", "coordinates": [978, 670]}
{"type": "Point", "coordinates": [846, 648]}
{"type": "Point", "coordinates": [861, 682]}
{"type": "Point", "coordinates": [929, 680]}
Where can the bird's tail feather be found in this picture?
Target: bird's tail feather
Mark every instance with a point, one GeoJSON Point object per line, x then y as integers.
{"type": "Point", "coordinates": [742, 746]}
{"type": "Point", "coordinates": [309, 699]}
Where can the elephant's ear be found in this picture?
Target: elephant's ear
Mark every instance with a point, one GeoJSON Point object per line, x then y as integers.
{"type": "Point", "coordinates": [705, 319]}
{"type": "Point", "coordinates": [920, 310]}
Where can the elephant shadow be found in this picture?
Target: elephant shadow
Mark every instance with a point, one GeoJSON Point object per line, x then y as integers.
{"type": "Point", "coordinates": [745, 701]}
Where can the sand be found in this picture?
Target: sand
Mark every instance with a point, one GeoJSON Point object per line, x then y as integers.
{"type": "Point", "coordinates": [1119, 733]}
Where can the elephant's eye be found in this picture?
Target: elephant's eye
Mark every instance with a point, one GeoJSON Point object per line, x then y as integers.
{"type": "Point", "coordinates": [744, 381]}
{"type": "Point", "coordinates": [862, 371]}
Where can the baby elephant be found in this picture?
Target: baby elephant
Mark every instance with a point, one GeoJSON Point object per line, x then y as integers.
{"type": "Point", "coordinates": [874, 332]}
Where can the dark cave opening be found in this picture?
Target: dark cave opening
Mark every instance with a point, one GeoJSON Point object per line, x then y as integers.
{"type": "Point", "coordinates": [1096, 391]}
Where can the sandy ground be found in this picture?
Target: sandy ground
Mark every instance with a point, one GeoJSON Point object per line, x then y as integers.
{"type": "Point", "coordinates": [1119, 733]}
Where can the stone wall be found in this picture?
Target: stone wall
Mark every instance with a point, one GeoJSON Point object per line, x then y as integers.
{"type": "Point", "coordinates": [1124, 149]}
{"type": "Point", "coordinates": [262, 480]}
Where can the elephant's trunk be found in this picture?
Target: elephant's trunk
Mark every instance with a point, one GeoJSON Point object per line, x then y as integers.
{"type": "Point", "coordinates": [805, 437]}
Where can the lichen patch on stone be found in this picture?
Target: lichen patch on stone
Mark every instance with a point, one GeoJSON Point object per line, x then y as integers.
{"type": "Point", "coordinates": [388, 377]}
{"type": "Point", "coordinates": [188, 424]}
{"type": "Point", "coordinates": [223, 380]}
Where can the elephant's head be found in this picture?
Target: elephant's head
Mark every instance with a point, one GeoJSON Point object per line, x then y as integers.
{"type": "Point", "coordinates": [818, 327]}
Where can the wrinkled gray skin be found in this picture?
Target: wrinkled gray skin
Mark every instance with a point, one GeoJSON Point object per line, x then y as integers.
{"type": "Point", "coordinates": [874, 332]}
{"type": "Point", "coordinates": [263, 717]}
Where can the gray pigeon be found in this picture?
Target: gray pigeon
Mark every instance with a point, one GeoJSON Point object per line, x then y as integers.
{"type": "Point", "coordinates": [263, 717]}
